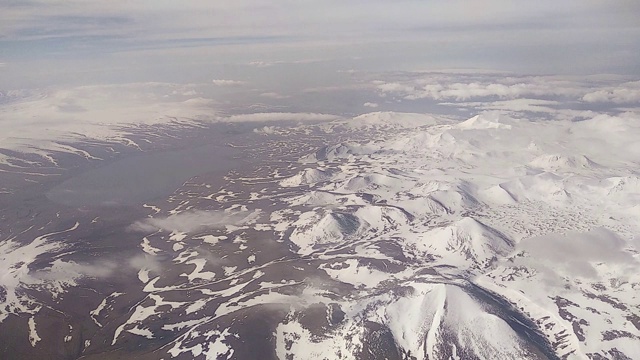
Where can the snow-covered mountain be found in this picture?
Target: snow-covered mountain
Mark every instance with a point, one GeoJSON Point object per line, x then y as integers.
{"type": "Point", "coordinates": [395, 236]}
{"type": "Point", "coordinates": [529, 214]}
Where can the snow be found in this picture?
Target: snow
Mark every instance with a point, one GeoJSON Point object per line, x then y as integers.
{"type": "Point", "coordinates": [17, 258]}
{"type": "Point", "coordinates": [196, 306]}
{"type": "Point", "coordinates": [407, 227]}
{"type": "Point", "coordinates": [306, 177]}
{"type": "Point", "coordinates": [293, 340]}
{"type": "Point", "coordinates": [143, 275]}
{"type": "Point", "coordinates": [46, 121]}
{"type": "Point", "coordinates": [389, 119]}
{"type": "Point", "coordinates": [197, 272]}
{"type": "Point", "coordinates": [562, 162]}
{"type": "Point", "coordinates": [212, 344]}
{"type": "Point", "coordinates": [96, 313]}
{"type": "Point", "coordinates": [211, 239]}
{"type": "Point", "coordinates": [351, 272]}
{"type": "Point", "coordinates": [465, 241]}
{"type": "Point", "coordinates": [140, 313]}
{"type": "Point", "coordinates": [40, 121]}
{"type": "Point", "coordinates": [147, 248]}
{"type": "Point", "coordinates": [539, 213]}
{"type": "Point", "coordinates": [491, 121]}
{"type": "Point", "coordinates": [33, 334]}
{"type": "Point", "coordinates": [141, 332]}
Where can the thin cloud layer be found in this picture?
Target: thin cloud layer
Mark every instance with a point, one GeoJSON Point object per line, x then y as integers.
{"type": "Point", "coordinates": [577, 254]}
{"type": "Point", "coordinates": [46, 121]}
{"type": "Point", "coordinates": [38, 121]}
{"type": "Point", "coordinates": [193, 221]}
{"type": "Point", "coordinates": [279, 116]}
{"type": "Point", "coordinates": [579, 36]}
{"type": "Point", "coordinates": [551, 97]}
{"type": "Point", "coordinates": [206, 18]}
{"type": "Point", "coordinates": [223, 82]}
{"type": "Point", "coordinates": [627, 93]}
{"type": "Point", "coordinates": [457, 87]}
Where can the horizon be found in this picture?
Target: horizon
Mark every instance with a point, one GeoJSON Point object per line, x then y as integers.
{"type": "Point", "coordinates": [54, 43]}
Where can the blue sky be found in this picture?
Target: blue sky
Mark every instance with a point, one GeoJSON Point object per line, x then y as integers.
{"type": "Point", "coordinates": [47, 42]}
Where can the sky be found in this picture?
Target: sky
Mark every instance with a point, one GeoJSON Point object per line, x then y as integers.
{"type": "Point", "coordinates": [49, 42]}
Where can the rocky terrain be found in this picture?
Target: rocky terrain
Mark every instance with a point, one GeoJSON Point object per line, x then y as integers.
{"type": "Point", "coordinates": [385, 235]}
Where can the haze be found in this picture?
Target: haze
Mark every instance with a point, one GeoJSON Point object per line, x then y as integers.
{"type": "Point", "coordinates": [81, 42]}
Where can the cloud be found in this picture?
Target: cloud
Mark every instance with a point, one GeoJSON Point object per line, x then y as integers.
{"type": "Point", "coordinates": [540, 97]}
{"type": "Point", "coordinates": [274, 95]}
{"type": "Point", "coordinates": [47, 121]}
{"type": "Point", "coordinates": [535, 109]}
{"type": "Point", "coordinates": [266, 130]}
{"type": "Point", "coordinates": [263, 63]}
{"type": "Point", "coordinates": [61, 271]}
{"type": "Point", "coordinates": [37, 121]}
{"type": "Point", "coordinates": [278, 116]}
{"type": "Point", "coordinates": [515, 105]}
{"type": "Point", "coordinates": [624, 94]}
{"type": "Point", "coordinates": [194, 221]}
{"type": "Point", "coordinates": [43, 265]}
{"type": "Point", "coordinates": [464, 86]}
{"type": "Point", "coordinates": [317, 17]}
{"type": "Point", "coordinates": [222, 82]}
{"type": "Point", "coordinates": [442, 88]}
{"type": "Point", "coordinates": [577, 253]}
{"type": "Point", "coordinates": [494, 33]}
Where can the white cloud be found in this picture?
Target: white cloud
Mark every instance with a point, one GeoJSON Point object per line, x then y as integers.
{"type": "Point", "coordinates": [543, 108]}
{"type": "Point", "coordinates": [465, 86]}
{"type": "Point", "coordinates": [223, 82]}
{"type": "Point", "coordinates": [546, 97]}
{"type": "Point", "coordinates": [326, 89]}
{"type": "Point", "coordinates": [278, 116]}
{"type": "Point", "coordinates": [624, 94]}
{"type": "Point", "coordinates": [260, 63]}
{"type": "Point", "coordinates": [266, 130]}
{"type": "Point", "coordinates": [43, 265]}
{"type": "Point", "coordinates": [264, 63]}
{"type": "Point", "coordinates": [36, 121]}
{"type": "Point", "coordinates": [274, 95]}
{"type": "Point", "coordinates": [532, 105]}
{"type": "Point", "coordinates": [193, 221]}
{"type": "Point", "coordinates": [469, 30]}
{"type": "Point", "coordinates": [442, 87]}
{"type": "Point", "coordinates": [586, 249]}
